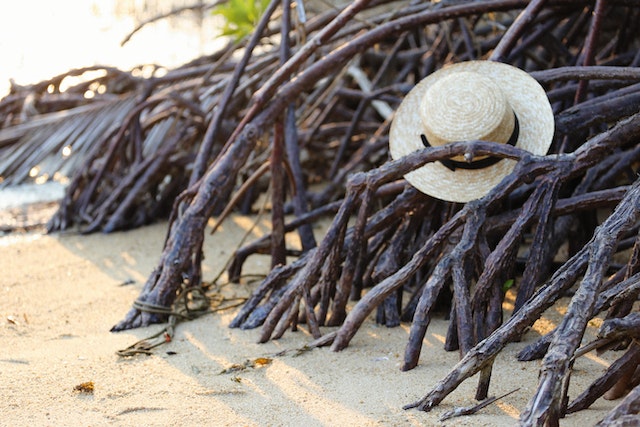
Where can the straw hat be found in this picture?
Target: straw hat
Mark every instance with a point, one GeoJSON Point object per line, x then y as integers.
{"type": "Point", "coordinates": [475, 100]}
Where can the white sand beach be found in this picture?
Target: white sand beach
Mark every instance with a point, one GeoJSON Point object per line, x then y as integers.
{"type": "Point", "coordinates": [62, 293]}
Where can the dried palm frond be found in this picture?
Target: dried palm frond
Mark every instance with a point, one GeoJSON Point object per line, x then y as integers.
{"type": "Point", "coordinates": [59, 142]}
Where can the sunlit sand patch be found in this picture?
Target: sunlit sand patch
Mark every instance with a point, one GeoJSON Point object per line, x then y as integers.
{"type": "Point", "coordinates": [543, 326]}
{"type": "Point", "coordinates": [248, 224]}
{"type": "Point", "coordinates": [135, 275]}
{"type": "Point", "coordinates": [440, 338]}
{"type": "Point", "coordinates": [128, 258]}
{"type": "Point", "coordinates": [595, 358]}
{"type": "Point", "coordinates": [508, 305]}
{"type": "Point", "coordinates": [219, 360]}
{"type": "Point", "coordinates": [509, 300]}
{"type": "Point", "coordinates": [10, 240]}
{"type": "Point", "coordinates": [311, 397]}
{"type": "Point", "coordinates": [561, 309]}
{"type": "Point", "coordinates": [509, 410]}
{"type": "Point", "coordinates": [595, 323]}
{"type": "Point", "coordinates": [373, 335]}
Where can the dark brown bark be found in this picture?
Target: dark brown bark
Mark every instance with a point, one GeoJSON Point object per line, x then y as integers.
{"type": "Point", "coordinates": [311, 103]}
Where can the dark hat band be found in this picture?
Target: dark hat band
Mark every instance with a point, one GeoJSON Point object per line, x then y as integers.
{"type": "Point", "coordinates": [482, 163]}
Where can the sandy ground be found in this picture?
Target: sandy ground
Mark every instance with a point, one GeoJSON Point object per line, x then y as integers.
{"type": "Point", "coordinates": [62, 293]}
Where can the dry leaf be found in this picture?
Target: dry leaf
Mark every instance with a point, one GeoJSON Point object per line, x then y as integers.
{"type": "Point", "coordinates": [86, 387]}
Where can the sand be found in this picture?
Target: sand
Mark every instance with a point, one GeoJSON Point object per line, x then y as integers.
{"type": "Point", "coordinates": [62, 293]}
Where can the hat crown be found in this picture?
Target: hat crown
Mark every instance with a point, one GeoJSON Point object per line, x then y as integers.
{"type": "Point", "coordinates": [527, 105]}
{"type": "Point", "coordinates": [465, 106]}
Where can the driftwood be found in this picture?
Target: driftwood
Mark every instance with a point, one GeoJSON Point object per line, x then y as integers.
{"type": "Point", "coordinates": [301, 103]}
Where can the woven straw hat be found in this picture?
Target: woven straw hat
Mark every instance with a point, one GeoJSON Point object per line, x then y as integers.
{"type": "Point", "coordinates": [475, 100]}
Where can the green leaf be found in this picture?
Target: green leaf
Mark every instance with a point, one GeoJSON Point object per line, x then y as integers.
{"type": "Point", "coordinates": [507, 285]}
{"type": "Point", "coordinates": [241, 16]}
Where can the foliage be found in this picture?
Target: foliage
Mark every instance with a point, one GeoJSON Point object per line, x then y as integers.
{"type": "Point", "coordinates": [241, 16]}
{"type": "Point", "coordinates": [507, 285]}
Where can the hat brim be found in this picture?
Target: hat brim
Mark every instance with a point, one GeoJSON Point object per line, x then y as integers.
{"type": "Point", "coordinates": [530, 104]}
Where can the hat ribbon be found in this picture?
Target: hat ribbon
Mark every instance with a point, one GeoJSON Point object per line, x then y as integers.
{"type": "Point", "coordinates": [482, 163]}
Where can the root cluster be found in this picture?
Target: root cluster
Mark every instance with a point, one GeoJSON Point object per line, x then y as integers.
{"type": "Point", "coordinates": [303, 105]}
